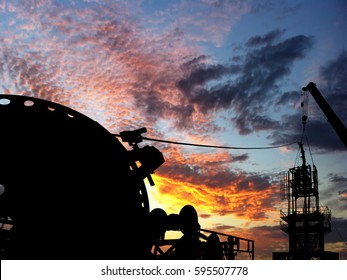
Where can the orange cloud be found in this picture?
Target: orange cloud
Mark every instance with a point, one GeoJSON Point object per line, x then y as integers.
{"type": "Point", "coordinates": [217, 201]}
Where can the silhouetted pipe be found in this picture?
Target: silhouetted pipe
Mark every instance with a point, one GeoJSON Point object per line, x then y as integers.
{"type": "Point", "coordinates": [334, 120]}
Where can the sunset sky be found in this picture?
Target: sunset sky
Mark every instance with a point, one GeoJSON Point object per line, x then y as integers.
{"type": "Point", "coordinates": [214, 72]}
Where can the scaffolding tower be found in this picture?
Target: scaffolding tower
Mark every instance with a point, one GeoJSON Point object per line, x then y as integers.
{"type": "Point", "coordinates": [304, 220]}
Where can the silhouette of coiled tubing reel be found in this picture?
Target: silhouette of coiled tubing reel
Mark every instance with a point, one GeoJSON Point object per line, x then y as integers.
{"type": "Point", "coordinates": [68, 188]}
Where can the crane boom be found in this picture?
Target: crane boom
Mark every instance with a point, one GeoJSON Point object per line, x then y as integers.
{"type": "Point", "coordinates": [334, 120]}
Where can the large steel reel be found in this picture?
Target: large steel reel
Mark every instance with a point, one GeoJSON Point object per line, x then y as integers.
{"type": "Point", "coordinates": [67, 188]}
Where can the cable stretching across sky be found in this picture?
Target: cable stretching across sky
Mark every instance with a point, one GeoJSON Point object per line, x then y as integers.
{"type": "Point", "coordinates": [215, 146]}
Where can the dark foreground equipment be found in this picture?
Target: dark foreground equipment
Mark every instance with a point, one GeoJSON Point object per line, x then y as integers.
{"type": "Point", "coordinates": [195, 243]}
{"type": "Point", "coordinates": [68, 189]}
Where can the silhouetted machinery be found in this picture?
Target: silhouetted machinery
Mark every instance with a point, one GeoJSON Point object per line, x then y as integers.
{"type": "Point", "coordinates": [333, 119]}
{"type": "Point", "coordinates": [306, 221]}
{"type": "Point", "coordinates": [195, 243]}
{"type": "Point", "coordinates": [70, 190]}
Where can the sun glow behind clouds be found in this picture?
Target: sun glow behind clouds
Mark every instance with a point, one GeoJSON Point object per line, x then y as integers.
{"type": "Point", "coordinates": [229, 201]}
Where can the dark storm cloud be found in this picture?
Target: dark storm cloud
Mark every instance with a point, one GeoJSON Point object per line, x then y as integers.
{"type": "Point", "coordinates": [337, 191]}
{"type": "Point", "coordinates": [259, 182]}
{"type": "Point", "coordinates": [267, 65]}
{"type": "Point", "coordinates": [264, 39]}
{"type": "Point", "coordinates": [321, 135]}
{"type": "Point", "coordinates": [334, 73]}
{"type": "Point", "coordinates": [290, 97]}
{"type": "Point", "coordinates": [339, 181]}
{"type": "Point", "coordinates": [249, 123]}
{"type": "Point", "coordinates": [194, 63]}
{"type": "Point", "coordinates": [198, 175]}
{"type": "Point", "coordinates": [333, 87]}
{"type": "Point", "coordinates": [246, 88]}
{"type": "Point", "coordinates": [240, 158]}
{"type": "Point", "coordinates": [204, 74]}
{"type": "Point", "coordinates": [151, 102]}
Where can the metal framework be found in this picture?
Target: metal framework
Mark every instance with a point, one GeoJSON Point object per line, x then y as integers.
{"type": "Point", "coordinates": [304, 220]}
{"type": "Point", "coordinates": [226, 250]}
